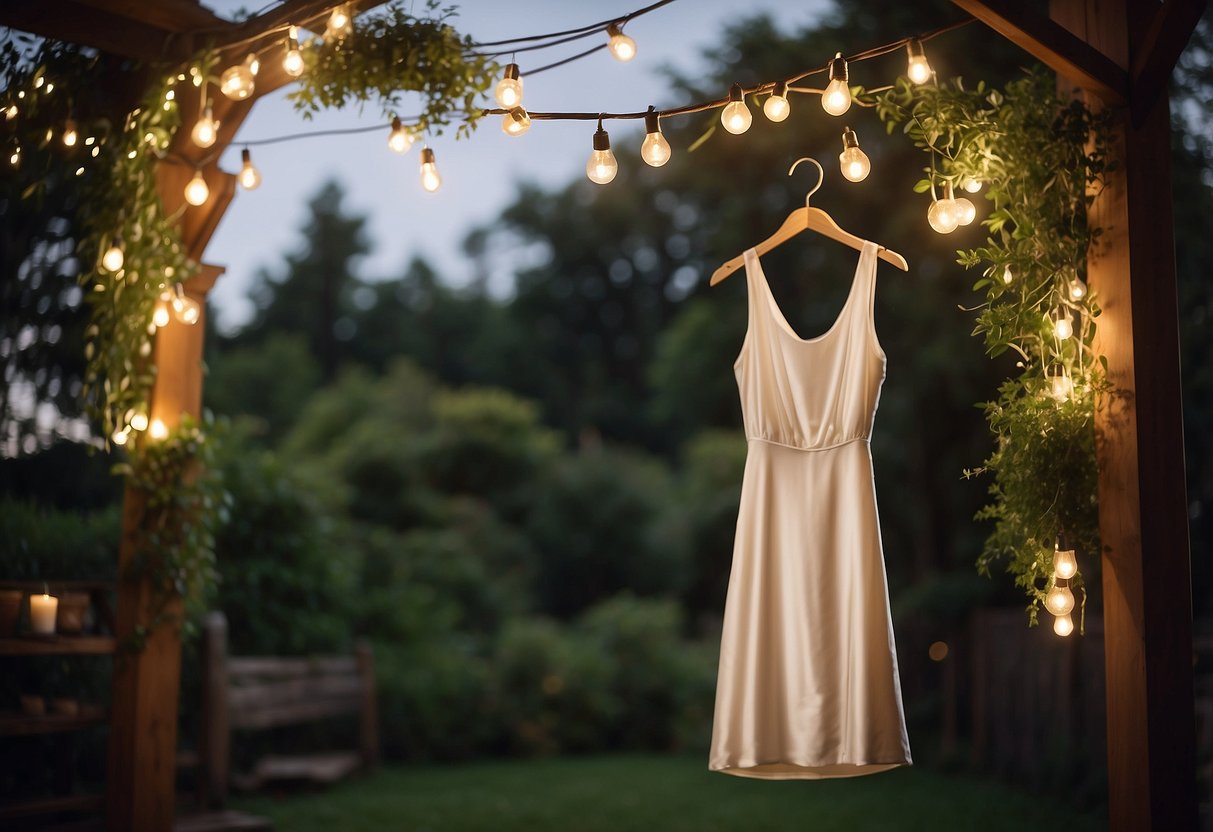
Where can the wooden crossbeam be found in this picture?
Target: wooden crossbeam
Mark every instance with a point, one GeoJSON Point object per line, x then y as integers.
{"type": "Point", "coordinates": [1060, 49]}
{"type": "Point", "coordinates": [77, 22]}
{"type": "Point", "coordinates": [1161, 45]}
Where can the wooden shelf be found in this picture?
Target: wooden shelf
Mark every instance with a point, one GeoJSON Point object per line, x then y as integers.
{"type": "Point", "coordinates": [57, 645]}
{"type": "Point", "coordinates": [20, 725]}
{"type": "Point", "coordinates": [46, 805]}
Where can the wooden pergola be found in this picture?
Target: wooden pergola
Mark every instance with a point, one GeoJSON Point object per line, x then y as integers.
{"type": "Point", "coordinates": [1120, 52]}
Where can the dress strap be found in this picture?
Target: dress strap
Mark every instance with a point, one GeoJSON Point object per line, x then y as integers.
{"type": "Point", "coordinates": [866, 277]}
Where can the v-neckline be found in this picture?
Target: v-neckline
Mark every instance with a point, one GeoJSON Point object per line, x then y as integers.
{"type": "Point", "coordinates": [781, 319]}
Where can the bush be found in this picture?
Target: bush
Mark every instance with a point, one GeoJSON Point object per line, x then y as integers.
{"type": "Point", "coordinates": [38, 543]}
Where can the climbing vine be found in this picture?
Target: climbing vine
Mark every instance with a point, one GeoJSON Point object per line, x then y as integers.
{"type": "Point", "coordinates": [1037, 159]}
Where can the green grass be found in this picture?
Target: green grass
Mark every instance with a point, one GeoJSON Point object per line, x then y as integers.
{"type": "Point", "coordinates": [657, 794]}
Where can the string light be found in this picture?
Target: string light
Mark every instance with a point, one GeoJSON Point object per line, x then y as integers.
{"type": "Point", "coordinates": [853, 161]}
{"type": "Point", "coordinates": [1063, 625]}
{"type": "Point", "coordinates": [70, 134]}
{"type": "Point", "coordinates": [776, 107]}
{"type": "Point", "coordinates": [14, 158]}
{"type": "Point", "coordinates": [1007, 275]}
{"type": "Point", "coordinates": [160, 315]}
{"type": "Point", "coordinates": [601, 167]}
{"type": "Point", "coordinates": [206, 130]}
{"type": "Point", "coordinates": [186, 308]}
{"type": "Point", "coordinates": [918, 70]}
{"type": "Point", "coordinates": [836, 99]}
{"type": "Point", "coordinates": [942, 214]}
{"type": "Point", "coordinates": [1060, 388]}
{"type": "Point", "coordinates": [237, 82]}
{"type": "Point", "coordinates": [250, 177]}
{"type": "Point", "coordinates": [736, 116]}
{"type": "Point", "coordinates": [1078, 289]}
{"type": "Point", "coordinates": [430, 178]}
{"type": "Point", "coordinates": [197, 192]}
{"type": "Point", "coordinates": [119, 437]}
{"type": "Point", "coordinates": [11, 112]}
{"type": "Point", "coordinates": [158, 430]}
{"type": "Point", "coordinates": [970, 184]}
{"type": "Point", "coordinates": [515, 122]}
{"type": "Point", "coordinates": [1059, 600]}
{"type": "Point", "coordinates": [621, 46]}
{"type": "Point", "coordinates": [113, 258]}
{"type": "Point", "coordinates": [399, 139]}
{"type": "Point", "coordinates": [340, 24]}
{"type": "Point", "coordinates": [966, 211]}
{"type": "Point", "coordinates": [655, 150]}
{"type": "Point", "coordinates": [138, 421]}
{"type": "Point", "coordinates": [292, 61]}
{"type": "Point", "coordinates": [509, 89]}
{"type": "Point", "coordinates": [1062, 327]}
{"type": "Point", "coordinates": [1065, 564]}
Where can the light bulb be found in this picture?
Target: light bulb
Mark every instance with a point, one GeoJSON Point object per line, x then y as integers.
{"type": "Point", "coordinates": [655, 150]}
{"type": "Point", "coordinates": [160, 317]}
{"type": "Point", "coordinates": [11, 112]}
{"type": "Point", "coordinates": [186, 308]}
{"type": "Point", "coordinates": [776, 107]}
{"type": "Point", "coordinates": [836, 99]}
{"type": "Point", "coordinates": [14, 158]}
{"type": "Point", "coordinates": [1063, 625]}
{"type": "Point", "coordinates": [430, 180]}
{"type": "Point", "coordinates": [1065, 564]}
{"type": "Point", "coordinates": [601, 167]}
{"type": "Point", "coordinates": [1060, 387]}
{"type": "Point", "coordinates": [206, 130]}
{"type": "Point", "coordinates": [253, 63]}
{"type": "Point", "coordinates": [1007, 275]}
{"type": "Point", "coordinates": [736, 116]}
{"type": "Point", "coordinates": [853, 161]}
{"type": "Point", "coordinates": [516, 122]}
{"type": "Point", "coordinates": [966, 211]}
{"type": "Point", "coordinates": [1078, 289]}
{"type": "Point", "coordinates": [292, 61]}
{"type": "Point", "coordinates": [70, 134]}
{"type": "Point", "coordinates": [1062, 327]}
{"type": "Point", "coordinates": [237, 82]}
{"type": "Point", "coordinates": [120, 436]}
{"type": "Point", "coordinates": [340, 23]}
{"type": "Point", "coordinates": [113, 258]}
{"type": "Point", "coordinates": [196, 190]}
{"type": "Point", "coordinates": [399, 139]}
{"type": "Point", "coordinates": [942, 216]}
{"type": "Point", "coordinates": [158, 430]}
{"type": "Point", "coordinates": [621, 46]}
{"type": "Point", "coordinates": [509, 89]}
{"type": "Point", "coordinates": [139, 421]}
{"type": "Point", "coordinates": [1059, 600]}
{"type": "Point", "coordinates": [918, 70]}
{"type": "Point", "coordinates": [250, 178]}
{"type": "Point", "coordinates": [970, 184]}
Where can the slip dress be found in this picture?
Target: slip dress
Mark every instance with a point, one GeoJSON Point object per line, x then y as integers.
{"type": "Point", "coordinates": [807, 686]}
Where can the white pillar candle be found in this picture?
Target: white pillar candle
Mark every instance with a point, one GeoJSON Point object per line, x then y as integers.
{"type": "Point", "coordinates": [42, 609]}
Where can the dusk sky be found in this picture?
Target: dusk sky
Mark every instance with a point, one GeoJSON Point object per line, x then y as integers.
{"type": "Point", "coordinates": [479, 174]}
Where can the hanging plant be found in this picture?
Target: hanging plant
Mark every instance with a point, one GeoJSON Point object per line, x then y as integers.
{"type": "Point", "coordinates": [1036, 159]}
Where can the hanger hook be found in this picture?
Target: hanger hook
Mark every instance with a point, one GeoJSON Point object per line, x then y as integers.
{"type": "Point", "coordinates": [821, 175]}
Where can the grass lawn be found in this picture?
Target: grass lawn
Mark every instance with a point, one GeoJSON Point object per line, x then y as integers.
{"type": "Point", "coordinates": [657, 794]}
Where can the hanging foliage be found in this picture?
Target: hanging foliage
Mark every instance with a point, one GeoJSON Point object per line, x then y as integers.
{"type": "Point", "coordinates": [1037, 159]}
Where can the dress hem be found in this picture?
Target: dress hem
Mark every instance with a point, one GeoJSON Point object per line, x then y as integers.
{"type": "Point", "coordinates": [804, 771]}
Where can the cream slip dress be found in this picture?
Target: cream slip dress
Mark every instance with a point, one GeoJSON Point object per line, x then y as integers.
{"type": "Point", "coordinates": [807, 685]}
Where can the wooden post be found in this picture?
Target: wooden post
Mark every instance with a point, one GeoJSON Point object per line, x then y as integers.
{"type": "Point", "coordinates": [214, 738]}
{"type": "Point", "coordinates": [368, 726]}
{"type": "Point", "coordinates": [1143, 507]}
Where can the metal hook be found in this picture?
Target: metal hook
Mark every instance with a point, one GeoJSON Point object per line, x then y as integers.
{"type": "Point", "coordinates": [821, 176]}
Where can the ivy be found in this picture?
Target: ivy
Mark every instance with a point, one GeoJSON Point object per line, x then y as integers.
{"type": "Point", "coordinates": [1039, 158]}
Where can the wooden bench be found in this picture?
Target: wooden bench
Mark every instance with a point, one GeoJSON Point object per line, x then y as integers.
{"type": "Point", "coordinates": [252, 693]}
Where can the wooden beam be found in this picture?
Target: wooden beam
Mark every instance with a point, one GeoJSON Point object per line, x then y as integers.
{"type": "Point", "coordinates": [1054, 45]}
{"type": "Point", "coordinates": [79, 23]}
{"type": "Point", "coordinates": [1159, 48]}
{"type": "Point", "coordinates": [170, 15]}
{"type": "Point", "coordinates": [1139, 434]}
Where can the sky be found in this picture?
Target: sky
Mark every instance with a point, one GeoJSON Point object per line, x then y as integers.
{"type": "Point", "coordinates": [480, 174]}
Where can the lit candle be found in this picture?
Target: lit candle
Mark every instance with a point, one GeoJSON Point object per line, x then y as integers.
{"type": "Point", "coordinates": [42, 609]}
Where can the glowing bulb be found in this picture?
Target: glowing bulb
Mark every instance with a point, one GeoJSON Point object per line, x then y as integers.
{"type": "Point", "coordinates": [292, 61]}
{"type": "Point", "coordinates": [1060, 388]}
{"type": "Point", "coordinates": [942, 216]}
{"type": "Point", "coordinates": [1063, 625]}
{"type": "Point", "coordinates": [777, 108]}
{"type": "Point", "coordinates": [14, 158]}
{"type": "Point", "coordinates": [655, 150]}
{"type": "Point", "coordinates": [196, 191]}
{"type": "Point", "coordinates": [70, 134]}
{"type": "Point", "coordinates": [918, 70]}
{"type": "Point", "coordinates": [340, 23]}
{"type": "Point", "coordinates": [1065, 564]}
{"type": "Point", "coordinates": [237, 82]}
{"type": "Point", "coordinates": [621, 46]}
{"type": "Point", "coordinates": [250, 177]}
{"type": "Point", "coordinates": [206, 130]}
{"type": "Point", "coordinates": [853, 161]}
{"type": "Point", "coordinates": [736, 116]}
{"type": "Point", "coordinates": [399, 139]}
{"type": "Point", "coordinates": [836, 99]}
{"type": "Point", "coordinates": [516, 122]}
{"type": "Point", "coordinates": [965, 210]}
{"type": "Point", "coordinates": [11, 112]}
{"type": "Point", "coordinates": [158, 430]}
{"type": "Point", "coordinates": [1059, 600]}
{"type": "Point", "coordinates": [113, 258]}
{"type": "Point", "coordinates": [601, 167]}
{"type": "Point", "coordinates": [1078, 289]}
{"type": "Point", "coordinates": [509, 89]}
{"type": "Point", "coordinates": [160, 316]}
{"type": "Point", "coordinates": [1062, 327]}
{"type": "Point", "coordinates": [120, 436]}
{"type": "Point", "coordinates": [1007, 275]}
{"type": "Point", "coordinates": [139, 422]}
{"type": "Point", "coordinates": [430, 180]}
{"type": "Point", "coordinates": [186, 308]}
{"type": "Point", "coordinates": [970, 184]}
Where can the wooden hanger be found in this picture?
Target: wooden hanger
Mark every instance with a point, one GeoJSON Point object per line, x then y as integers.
{"type": "Point", "coordinates": [807, 219]}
